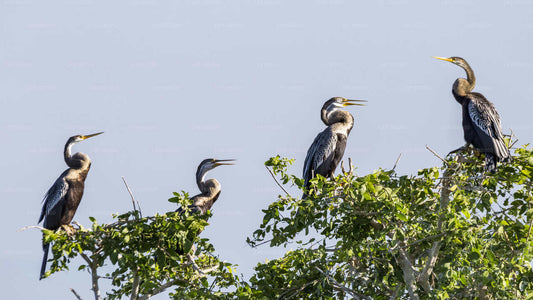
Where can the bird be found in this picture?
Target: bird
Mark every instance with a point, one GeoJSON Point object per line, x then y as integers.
{"type": "Point", "coordinates": [327, 149]}
{"type": "Point", "coordinates": [62, 199]}
{"type": "Point", "coordinates": [209, 189]}
{"type": "Point", "coordinates": [481, 122]}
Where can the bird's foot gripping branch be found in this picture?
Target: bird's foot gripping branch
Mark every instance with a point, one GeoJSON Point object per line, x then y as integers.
{"type": "Point", "coordinates": [140, 257]}
{"type": "Point", "coordinates": [456, 231]}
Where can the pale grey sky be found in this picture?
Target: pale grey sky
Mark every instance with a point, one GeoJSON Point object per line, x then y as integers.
{"type": "Point", "coordinates": [174, 82]}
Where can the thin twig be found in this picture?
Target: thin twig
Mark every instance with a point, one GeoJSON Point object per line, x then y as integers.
{"type": "Point", "coordinates": [194, 265]}
{"type": "Point", "coordinates": [350, 169]}
{"type": "Point", "coordinates": [132, 198]}
{"type": "Point", "coordinates": [511, 139]}
{"type": "Point", "coordinates": [75, 294]}
{"type": "Point", "coordinates": [162, 288]}
{"type": "Point", "coordinates": [78, 224]}
{"type": "Point", "coordinates": [262, 243]}
{"type": "Point", "coordinates": [438, 156]}
{"type": "Point", "coordinates": [338, 285]}
{"type": "Point", "coordinates": [272, 174]}
{"type": "Point", "coordinates": [296, 290]}
{"type": "Point", "coordinates": [397, 160]}
{"type": "Point", "coordinates": [32, 226]}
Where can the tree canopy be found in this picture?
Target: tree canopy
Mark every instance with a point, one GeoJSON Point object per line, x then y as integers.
{"type": "Point", "coordinates": [453, 231]}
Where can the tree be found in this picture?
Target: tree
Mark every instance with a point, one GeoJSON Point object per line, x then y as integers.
{"type": "Point", "coordinates": [450, 232]}
{"type": "Point", "coordinates": [143, 252]}
{"type": "Point", "coordinates": [454, 232]}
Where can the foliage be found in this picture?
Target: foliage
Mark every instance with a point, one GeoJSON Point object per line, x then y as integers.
{"type": "Point", "coordinates": [148, 254]}
{"type": "Point", "coordinates": [450, 232]}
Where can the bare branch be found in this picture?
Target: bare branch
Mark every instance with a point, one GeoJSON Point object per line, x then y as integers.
{"type": "Point", "coordinates": [511, 140]}
{"type": "Point", "coordinates": [135, 285]}
{"type": "Point", "coordinates": [32, 226]}
{"type": "Point", "coordinates": [162, 288]}
{"type": "Point", "coordinates": [408, 274]}
{"type": "Point", "coordinates": [529, 231]}
{"type": "Point", "coordinates": [194, 265]}
{"type": "Point", "coordinates": [285, 294]}
{"type": "Point", "coordinates": [350, 169]}
{"type": "Point", "coordinates": [397, 160]}
{"type": "Point", "coordinates": [340, 286]}
{"type": "Point", "coordinates": [262, 243]}
{"type": "Point", "coordinates": [132, 198]}
{"type": "Point", "coordinates": [423, 278]}
{"type": "Point", "coordinates": [438, 156]}
{"type": "Point", "coordinates": [272, 174]}
{"type": "Point", "coordinates": [75, 294]}
{"type": "Point", "coordinates": [94, 275]}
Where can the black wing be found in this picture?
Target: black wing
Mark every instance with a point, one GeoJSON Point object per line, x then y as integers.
{"type": "Point", "coordinates": [487, 125]}
{"type": "Point", "coordinates": [54, 203]}
{"type": "Point", "coordinates": [321, 155]}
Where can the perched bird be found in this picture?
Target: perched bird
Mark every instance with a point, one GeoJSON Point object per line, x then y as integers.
{"type": "Point", "coordinates": [327, 149]}
{"type": "Point", "coordinates": [63, 198]}
{"type": "Point", "coordinates": [481, 122]}
{"type": "Point", "coordinates": [210, 189]}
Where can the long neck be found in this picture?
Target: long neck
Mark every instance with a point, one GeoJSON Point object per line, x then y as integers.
{"type": "Point", "coordinates": [470, 77]}
{"type": "Point", "coordinates": [324, 116]}
{"type": "Point", "coordinates": [77, 161]}
{"type": "Point", "coordinates": [340, 116]}
{"type": "Point", "coordinates": [200, 176]}
{"type": "Point", "coordinates": [67, 154]}
{"type": "Point", "coordinates": [461, 86]}
{"type": "Point", "coordinates": [209, 187]}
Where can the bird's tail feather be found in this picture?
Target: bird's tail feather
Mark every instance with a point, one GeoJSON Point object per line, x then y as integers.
{"type": "Point", "coordinates": [502, 152]}
{"type": "Point", "coordinates": [490, 162]}
{"type": "Point", "coordinates": [45, 258]}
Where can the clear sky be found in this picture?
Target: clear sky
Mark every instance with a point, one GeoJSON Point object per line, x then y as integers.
{"type": "Point", "coordinates": [174, 82]}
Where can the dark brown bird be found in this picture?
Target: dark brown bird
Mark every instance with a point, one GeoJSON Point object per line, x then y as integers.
{"type": "Point", "coordinates": [62, 199]}
{"type": "Point", "coordinates": [481, 122]}
{"type": "Point", "coordinates": [327, 149]}
{"type": "Point", "coordinates": [209, 189]}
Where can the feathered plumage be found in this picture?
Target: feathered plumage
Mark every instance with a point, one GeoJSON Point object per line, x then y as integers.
{"type": "Point", "coordinates": [481, 122]}
{"type": "Point", "coordinates": [328, 147]}
{"type": "Point", "coordinates": [63, 198]}
{"type": "Point", "coordinates": [209, 189]}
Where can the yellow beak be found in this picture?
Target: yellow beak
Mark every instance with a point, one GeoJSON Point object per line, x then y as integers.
{"type": "Point", "coordinates": [84, 137]}
{"type": "Point", "coordinates": [348, 102]}
{"type": "Point", "coordinates": [443, 58]}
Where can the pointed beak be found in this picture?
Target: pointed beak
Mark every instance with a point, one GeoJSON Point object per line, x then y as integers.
{"type": "Point", "coordinates": [90, 135]}
{"type": "Point", "coordinates": [348, 102]}
{"type": "Point", "coordinates": [223, 162]}
{"type": "Point", "coordinates": [443, 58]}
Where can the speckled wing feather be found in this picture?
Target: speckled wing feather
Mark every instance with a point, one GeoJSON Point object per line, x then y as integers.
{"type": "Point", "coordinates": [54, 202]}
{"type": "Point", "coordinates": [322, 149]}
{"type": "Point", "coordinates": [487, 123]}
